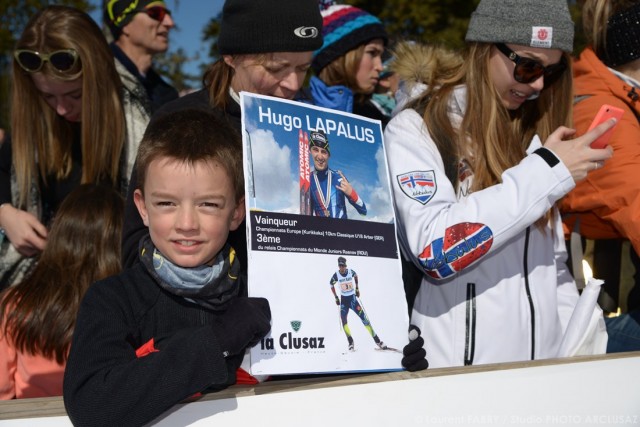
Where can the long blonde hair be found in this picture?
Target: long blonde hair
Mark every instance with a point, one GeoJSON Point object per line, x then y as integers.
{"type": "Point", "coordinates": [41, 140]}
{"type": "Point", "coordinates": [498, 137]}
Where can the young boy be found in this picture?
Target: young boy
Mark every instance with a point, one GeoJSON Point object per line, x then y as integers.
{"type": "Point", "coordinates": [179, 321]}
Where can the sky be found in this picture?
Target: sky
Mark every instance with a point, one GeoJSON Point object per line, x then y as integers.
{"type": "Point", "coordinates": [190, 17]}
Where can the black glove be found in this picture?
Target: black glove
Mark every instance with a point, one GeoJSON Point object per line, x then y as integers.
{"type": "Point", "coordinates": [357, 292]}
{"type": "Point", "coordinates": [414, 353]}
{"type": "Point", "coordinates": [337, 300]}
{"type": "Point", "coordinates": [243, 324]}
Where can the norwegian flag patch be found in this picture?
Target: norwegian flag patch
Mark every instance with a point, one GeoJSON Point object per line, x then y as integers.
{"type": "Point", "coordinates": [462, 245]}
{"type": "Point", "coordinates": [418, 185]}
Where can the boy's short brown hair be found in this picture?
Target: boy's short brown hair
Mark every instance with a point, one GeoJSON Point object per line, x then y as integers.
{"type": "Point", "coordinates": [190, 136]}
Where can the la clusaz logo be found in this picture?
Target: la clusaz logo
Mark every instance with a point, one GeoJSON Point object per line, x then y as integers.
{"type": "Point", "coordinates": [288, 341]}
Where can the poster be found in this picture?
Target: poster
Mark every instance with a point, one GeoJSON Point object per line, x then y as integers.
{"type": "Point", "coordinates": [322, 240]}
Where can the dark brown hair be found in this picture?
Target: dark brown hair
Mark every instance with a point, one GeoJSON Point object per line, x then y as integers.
{"type": "Point", "coordinates": [83, 246]}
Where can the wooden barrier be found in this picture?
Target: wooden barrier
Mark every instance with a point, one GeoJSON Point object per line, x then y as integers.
{"type": "Point", "coordinates": [593, 390]}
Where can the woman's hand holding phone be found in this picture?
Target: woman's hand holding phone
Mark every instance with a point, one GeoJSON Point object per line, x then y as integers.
{"type": "Point", "coordinates": [605, 113]}
{"type": "Point", "coordinates": [577, 154]}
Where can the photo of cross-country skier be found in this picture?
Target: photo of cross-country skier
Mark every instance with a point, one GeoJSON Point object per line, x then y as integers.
{"type": "Point", "coordinates": [346, 280]}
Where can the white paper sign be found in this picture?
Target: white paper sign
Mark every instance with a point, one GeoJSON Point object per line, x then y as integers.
{"type": "Point", "coordinates": [307, 209]}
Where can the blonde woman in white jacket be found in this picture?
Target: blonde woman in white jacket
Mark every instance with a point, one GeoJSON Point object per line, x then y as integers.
{"type": "Point", "coordinates": [478, 158]}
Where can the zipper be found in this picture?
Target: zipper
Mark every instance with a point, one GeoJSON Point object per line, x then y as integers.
{"type": "Point", "coordinates": [528, 291]}
{"type": "Point", "coordinates": [470, 334]}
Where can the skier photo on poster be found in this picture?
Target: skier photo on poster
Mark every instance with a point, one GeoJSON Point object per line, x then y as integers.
{"type": "Point", "coordinates": [317, 189]}
{"type": "Point", "coordinates": [346, 280]}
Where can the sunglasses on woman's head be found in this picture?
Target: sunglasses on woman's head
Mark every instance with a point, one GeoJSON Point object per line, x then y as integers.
{"type": "Point", "coordinates": [157, 13]}
{"type": "Point", "coordinates": [529, 70]}
{"type": "Point", "coordinates": [32, 61]}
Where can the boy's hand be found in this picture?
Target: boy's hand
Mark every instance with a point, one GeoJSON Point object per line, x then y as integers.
{"type": "Point", "coordinates": [243, 324]}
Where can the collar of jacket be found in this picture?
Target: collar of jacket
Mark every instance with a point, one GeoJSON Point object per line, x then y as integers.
{"type": "Point", "coordinates": [592, 77]}
{"type": "Point", "coordinates": [335, 97]}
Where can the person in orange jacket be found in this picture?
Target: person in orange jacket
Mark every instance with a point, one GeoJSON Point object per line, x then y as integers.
{"type": "Point", "coordinates": [606, 204]}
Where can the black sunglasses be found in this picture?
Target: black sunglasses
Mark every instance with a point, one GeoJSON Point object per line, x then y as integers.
{"type": "Point", "coordinates": [528, 70]}
{"type": "Point", "coordinates": [32, 61]}
{"type": "Point", "coordinates": [157, 13]}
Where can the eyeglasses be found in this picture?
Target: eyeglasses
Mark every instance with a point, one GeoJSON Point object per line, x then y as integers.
{"type": "Point", "coordinates": [528, 70]}
{"type": "Point", "coordinates": [157, 13]}
{"type": "Point", "coordinates": [32, 61]}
